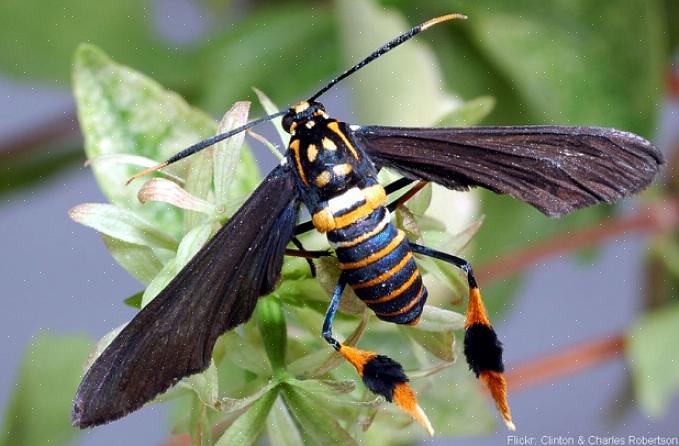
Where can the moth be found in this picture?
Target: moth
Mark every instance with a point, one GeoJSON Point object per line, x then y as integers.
{"type": "Point", "coordinates": [331, 168]}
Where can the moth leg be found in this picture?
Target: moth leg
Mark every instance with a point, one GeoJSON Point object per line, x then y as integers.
{"type": "Point", "coordinates": [407, 196]}
{"type": "Point", "coordinates": [482, 348]}
{"type": "Point", "coordinates": [380, 374]}
{"type": "Point", "coordinates": [306, 254]}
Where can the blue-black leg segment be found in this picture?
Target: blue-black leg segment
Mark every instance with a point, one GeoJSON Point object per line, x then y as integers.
{"type": "Point", "coordinates": [330, 314]}
{"type": "Point", "coordinates": [453, 260]}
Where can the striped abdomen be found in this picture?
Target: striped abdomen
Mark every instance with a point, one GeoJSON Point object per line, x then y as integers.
{"type": "Point", "coordinates": [378, 264]}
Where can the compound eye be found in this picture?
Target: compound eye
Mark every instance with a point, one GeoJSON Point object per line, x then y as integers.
{"type": "Point", "coordinates": [287, 122]}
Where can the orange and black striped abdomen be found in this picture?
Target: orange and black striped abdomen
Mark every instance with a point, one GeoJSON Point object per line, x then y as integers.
{"type": "Point", "coordinates": [378, 264]}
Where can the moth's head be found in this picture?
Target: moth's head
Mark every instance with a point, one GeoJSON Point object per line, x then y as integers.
{"type": "Point", "coordinates": [301, 113]}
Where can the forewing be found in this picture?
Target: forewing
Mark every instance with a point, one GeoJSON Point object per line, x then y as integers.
{"type": "Point", "coordinates": [556, 169]}
{"type": "Point", "coordinates": [173, 336]}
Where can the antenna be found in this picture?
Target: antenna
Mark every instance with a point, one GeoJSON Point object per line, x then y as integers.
{"type": "Point", "coordinates": [203, 144]}
{"type": "Point", "coordinates": [388, 47]}
{"type": "Point", "coordinates": [375, 54]}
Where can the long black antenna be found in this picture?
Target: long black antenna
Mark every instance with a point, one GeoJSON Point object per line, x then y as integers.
{"type": "Point", "coordinates": [375, 54]}
{"type": "Point", "coordinates": [388, 47]}
{"type": "Point", "coordinates": [203, 144]}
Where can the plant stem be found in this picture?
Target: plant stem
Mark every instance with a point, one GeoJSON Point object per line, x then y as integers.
{"type": "Point", "coordinates": [565, 362]}
{"type": "Point", "coordinates": [658, 216]}
{"type": "Point", "coordinates": [58, 128]}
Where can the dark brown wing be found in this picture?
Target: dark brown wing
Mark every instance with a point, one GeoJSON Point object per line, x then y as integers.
{"type": "Point", "coordinates": [173, 336]}
{"type": "Point", "coordinates": [556, 169]}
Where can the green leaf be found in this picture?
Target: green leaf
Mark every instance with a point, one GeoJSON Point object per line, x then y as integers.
{"type": "Point", "coordinates": [468, 113]}
{"type": "Point", "coordinates": [275, 57]}
{"type": "Point", "coordinates": [324, 386]}
{"type": "Point", "coordinates": [438, 343]}
{"type": "Point", "coordinates": [121, 224]}
{"type": "Point", "coordinates": [327, 275]}
{"type": "Point", "coordinates": [226, 154]}
{"type": "Point", "coordinates": [440, 320]}
{"type": "Point", "coordinates": [245, 354]}
{"type": "Point", "coordinates": [246, 429]}
{"type": "Point", "coordinates": [272, 326]}
{"type": "Point", "coordinates": [123, 112]}
{"type": "Point", "coordinates": [125, 28]}
{"type": "Point", "coordinates": [230, 405]}
{"type": "Point", "coordinates": [188, 247]}
{"type": "Point", "coordinates": [318, 426]}
{"type": "Point", "coordinates": [403, 88]}
{"type": "Point", "coordinates": [191, 244]}
{"type": "Point", "coordinates": [138, 260]}
{"type": "Point", "coordinates": [270, 108]}
{"type": "Point", "coordinates": [281, 428]}
{"type": "Point", "coordinates": [134, 300]}
{"type": "Point", "coordinates": [652, 354]}
{"type": "Point", "coordinates": [159, 282]}
{"type": "Point", "coordinates": [39, 409]}
{"type": "Point", "coordinates": [206, 386]}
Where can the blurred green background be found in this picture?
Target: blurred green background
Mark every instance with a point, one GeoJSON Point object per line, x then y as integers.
{"type": "Point", "coordinates": [564, 62]}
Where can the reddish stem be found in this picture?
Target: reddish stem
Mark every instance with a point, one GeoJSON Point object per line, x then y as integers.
{"type": "Point", "coordinates": [57, 128]}
{"type": "Point", "coordinates": [565, 362]}
{"type": "Point", "coordinates": [658, 216]}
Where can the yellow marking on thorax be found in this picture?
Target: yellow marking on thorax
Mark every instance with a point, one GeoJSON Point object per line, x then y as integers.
{"type": "Point", "coordinates": [328, 144]}
{"type": "Point", "coordinates": [342, 169]}
{"type": "Point", "coordinates": [374, 257]}
{"type": "Point", "coordinates": [294, 146]}
{"type": "Point", "coordinates": [310, 124]}
{"type": "Point", "coordinates": [385, 275]}
{"type": "Point", "coordinates": [323, 178]}
{"type": "Point", "coordinates": [311, 152]}
{"type": "Point", "coordinates": [334, 126]}
{"type": "Point", "coordinates": [397, 292]}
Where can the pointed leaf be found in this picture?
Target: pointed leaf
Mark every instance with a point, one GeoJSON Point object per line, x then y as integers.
{"type": "Point", "coordinates": [191, 244]}
{"type": "Point", "coordinates": [121, 224]}
{"type": "Point", "coordinates": [134, 300]}
{"type": "Point", "coordinates": [226, 154]}
{"type": "Point", "coordinates": [272, 326]}
{"type": "Point", "coordinates": [206, 386]}
{"type": "Point", "coordinates": [138, 260]}
{"type": "Point", "coordinates": [281, 428]}
{"type": "Point", "coordinates": [246, 429]}
{"type": "Point", "coordinates": [438, 343]}
{"type": "Point", "coordinates": [159, 282]}
{"type": "Point", "coordinates": [318, 426]}
{"type": "Point", "coordinates": [440, 320]}
{"type": "Point", "coordinates": [270, 108]}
